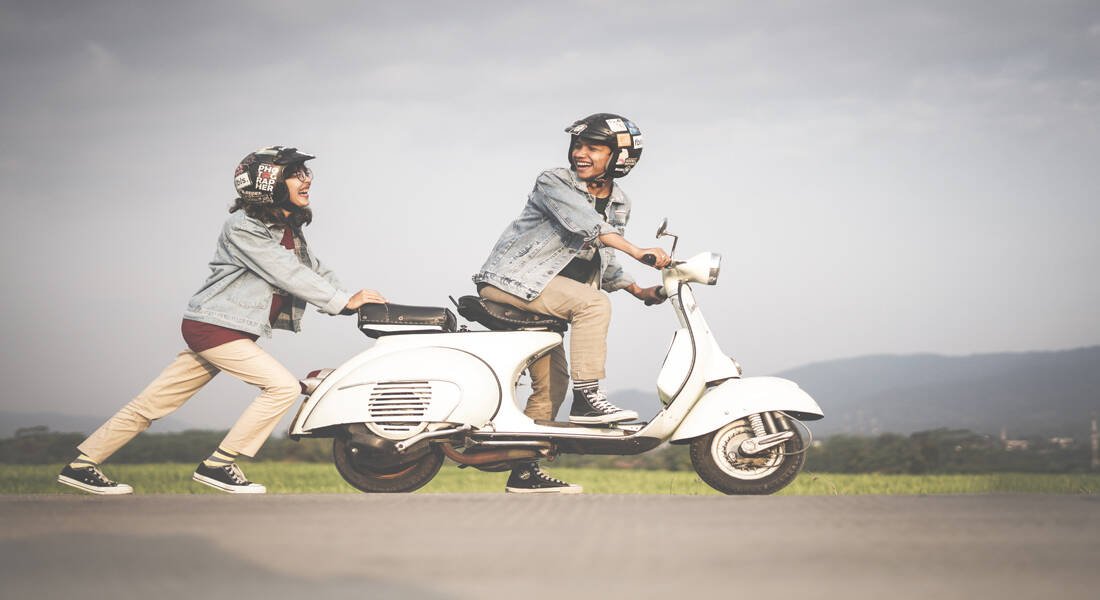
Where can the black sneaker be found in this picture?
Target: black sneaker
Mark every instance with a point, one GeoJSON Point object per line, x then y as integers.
{"type": "Point", "coordinates": [92, 480]}
{"type": "Point", "coordinates": [529, 479]}
{"type": "Point", "coordinates": [228, 478]}
{"type": "Point", "coordinates": [590, 407]}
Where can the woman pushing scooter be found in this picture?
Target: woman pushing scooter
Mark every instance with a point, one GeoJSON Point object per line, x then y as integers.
{"type": "Point", "coordinates": [262, 276]}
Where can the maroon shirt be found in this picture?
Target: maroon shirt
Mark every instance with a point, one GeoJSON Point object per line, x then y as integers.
{"type": "Point", "coordinates": [201, 336]}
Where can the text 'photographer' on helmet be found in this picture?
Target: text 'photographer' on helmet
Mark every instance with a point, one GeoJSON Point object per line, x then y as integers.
{"type": "Point", "coordinates": [259, 176]}
{"type": "Point", "coordinates": [620, 133]}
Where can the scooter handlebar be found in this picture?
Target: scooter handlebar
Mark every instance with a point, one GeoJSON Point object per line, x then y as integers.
{"type": "Point", "coordinates": [651, 260]}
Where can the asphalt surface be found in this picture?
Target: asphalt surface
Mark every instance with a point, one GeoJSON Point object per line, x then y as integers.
{"type": "Point", "coordinates": [586, 546]}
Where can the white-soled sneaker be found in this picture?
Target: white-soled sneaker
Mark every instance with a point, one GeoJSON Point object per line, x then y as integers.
{"type": "Point", "coordinates": [529, 479]}
{"type": "Point", "coordinates": [228, 478]}
{"type": "Point", "coordinates": [590, 407]}
{"type": "Point", "coordinates": [93, 481]}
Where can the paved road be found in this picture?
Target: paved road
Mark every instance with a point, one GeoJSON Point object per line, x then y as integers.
{"type": "Point", "coordinates": [497, 546]}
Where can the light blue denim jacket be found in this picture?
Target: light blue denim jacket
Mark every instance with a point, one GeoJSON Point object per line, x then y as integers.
{"type": "Point", "coordinates": [557, 223]}
{"type": "Point", "coordinates": [249, 265]}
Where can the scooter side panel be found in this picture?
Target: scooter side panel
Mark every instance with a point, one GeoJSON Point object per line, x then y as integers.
{"type": "Point", "coordinates": [738, 398]}
{"type": "Point", "coordinates": [464, 388]}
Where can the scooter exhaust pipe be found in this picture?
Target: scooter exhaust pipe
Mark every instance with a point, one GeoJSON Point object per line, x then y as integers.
{"type": "Point", "coordinates": [488, 457]}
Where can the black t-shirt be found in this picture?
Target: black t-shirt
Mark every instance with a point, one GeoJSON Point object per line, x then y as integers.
{"type": "Point", "coordinates": [580, 269]}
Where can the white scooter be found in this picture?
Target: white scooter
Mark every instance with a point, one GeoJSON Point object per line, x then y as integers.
{"type": "Point", "coordinates": [426, 391]}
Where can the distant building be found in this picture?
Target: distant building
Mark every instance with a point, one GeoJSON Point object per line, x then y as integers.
{"type": "Point", "coordinates": [1011, 445]}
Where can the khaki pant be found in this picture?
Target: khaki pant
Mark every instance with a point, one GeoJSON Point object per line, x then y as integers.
{"type": "Point", "coordinates": [589, 312]}
{"type": "Point", "coordinates": [186, 375]}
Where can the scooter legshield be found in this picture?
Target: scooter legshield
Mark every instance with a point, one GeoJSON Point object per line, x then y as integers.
{"type": "Point", "coordinates": [738, 398]}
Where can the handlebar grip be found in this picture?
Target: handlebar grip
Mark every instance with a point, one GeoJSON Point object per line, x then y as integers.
{"type": "Point", "coordinates": [660, 292]}
{"type": "Point", "coordinates": [649, 259]}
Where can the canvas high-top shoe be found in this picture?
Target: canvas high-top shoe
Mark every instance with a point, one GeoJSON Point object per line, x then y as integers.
{"type": "Point", "coordinates": [529, 479]}
{"type": "Point", "coordinates": [590, 407]}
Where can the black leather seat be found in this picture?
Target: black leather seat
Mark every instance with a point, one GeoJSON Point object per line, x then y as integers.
{"type": "Point", "coordinates": [502, 317]}
{"type": "Point", "coordinates": [376, 320]}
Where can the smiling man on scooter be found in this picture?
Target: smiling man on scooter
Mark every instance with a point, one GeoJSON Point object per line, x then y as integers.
{"type": "Point", "coordinates": [557, 258]}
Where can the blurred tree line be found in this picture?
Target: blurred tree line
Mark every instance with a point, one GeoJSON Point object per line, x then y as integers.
{"type": "Point", "coordinates": [36, 445]}
{"type": "Point", "coordinates": [935, 451]}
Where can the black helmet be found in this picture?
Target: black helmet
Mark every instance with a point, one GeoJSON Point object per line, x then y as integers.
{"type": "Point", "coordinates": [610, 130]}
{"type": "Point", "coordinates": [258, 177]}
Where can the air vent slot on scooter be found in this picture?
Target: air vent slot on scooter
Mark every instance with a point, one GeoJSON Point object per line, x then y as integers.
{"type": "Point", "coordinates": [400, 406]}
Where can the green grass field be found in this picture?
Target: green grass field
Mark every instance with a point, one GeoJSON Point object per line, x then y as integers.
{"type": "Point", "coordinates": [314, 478]}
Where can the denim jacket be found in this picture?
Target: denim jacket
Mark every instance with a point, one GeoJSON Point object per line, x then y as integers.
{"type": "Point", "coordinates": [557, 223]}
{"type": "Point", "coordinates": [249, 265]}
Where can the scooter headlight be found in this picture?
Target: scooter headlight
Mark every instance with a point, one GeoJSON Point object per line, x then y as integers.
{"type": "Point", "coordinates": [701, 268]}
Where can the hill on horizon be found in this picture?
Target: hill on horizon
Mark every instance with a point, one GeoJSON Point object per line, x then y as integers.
{"type": "Point", "coordinates": [1027, 393]}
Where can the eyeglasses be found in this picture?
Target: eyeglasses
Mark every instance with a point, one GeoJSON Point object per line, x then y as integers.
{"type": "Point", "coordinates": [301, 172]}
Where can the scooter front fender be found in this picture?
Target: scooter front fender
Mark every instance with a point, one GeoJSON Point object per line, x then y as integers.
{"type": "Point", "coordinates": [738, 398]}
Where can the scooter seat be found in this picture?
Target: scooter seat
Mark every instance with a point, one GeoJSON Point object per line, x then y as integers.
{"type": "Point", "coordinates": [502, 317]}
{"type": "Point", "coordinates": [376, 320]}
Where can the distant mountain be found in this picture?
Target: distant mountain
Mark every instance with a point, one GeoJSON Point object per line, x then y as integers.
{"type": "Point", "coordinates": [1029, 393]}
{"type": "Point", "coordinates": [11, 421]}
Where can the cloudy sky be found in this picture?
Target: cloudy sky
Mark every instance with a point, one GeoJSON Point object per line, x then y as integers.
{"type": "Point", "coordinates": [879, 177]}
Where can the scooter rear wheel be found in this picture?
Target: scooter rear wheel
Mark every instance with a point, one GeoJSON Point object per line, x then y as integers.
{"type": "Point", "coordinates": [355, 466]}
{"type": "Point", "coordinates": [717, 462]}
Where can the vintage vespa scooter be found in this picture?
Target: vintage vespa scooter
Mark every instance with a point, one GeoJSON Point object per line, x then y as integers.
{"type": "Point", "coordinates": [426, 391]}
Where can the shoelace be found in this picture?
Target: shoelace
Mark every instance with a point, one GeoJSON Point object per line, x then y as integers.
{"type": "Point", "coordinates": [100, 476]}
{"type": "Point", "coordinates": [598, 401]}
{"type": "Point", "coordinates": [547, 478]}
{"type": "Point", "coordinates": [235, 473]}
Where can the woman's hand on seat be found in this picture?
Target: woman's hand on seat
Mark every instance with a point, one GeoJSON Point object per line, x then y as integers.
{"type": "Point", "coordinates": [364, 297]}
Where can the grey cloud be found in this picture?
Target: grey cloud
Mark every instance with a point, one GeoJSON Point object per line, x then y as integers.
{"type": "Point", "coordinates": [881, 176]}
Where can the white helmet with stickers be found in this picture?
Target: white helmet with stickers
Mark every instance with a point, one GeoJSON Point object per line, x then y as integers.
{"type": "Point", "coordinates": [259, 176]}
{"type": "Point", "coordinates": [620, 133]}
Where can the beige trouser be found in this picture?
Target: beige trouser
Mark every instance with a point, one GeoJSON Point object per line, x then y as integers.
{"type": "Point", "coordinates": [186, 375]}
{"type": "Point", "coordinates": [589, 312]}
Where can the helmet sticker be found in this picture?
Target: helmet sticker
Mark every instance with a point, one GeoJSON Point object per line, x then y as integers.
{"type": "Point", "coordinates": [633, 129]}
{"type": "Point", "coordinates": [579, 127]}
{"type": "Point", "coordinates": [242, 181]}
{"type": "Point", "coordinates": [616, 125]}
{"type": "Point", "coordinates": [266, 176]}
{"type": "Point", "coordinates": [622, 139]}
{"type": "Point", "coordinates": [637, 141]}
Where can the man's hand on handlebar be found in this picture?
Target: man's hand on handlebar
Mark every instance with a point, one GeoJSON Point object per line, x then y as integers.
{"type": "Point", "coordinates": [364, 297]}
{"type": "Point", "coordinates": [654, 257]}
{"type": "Point", "coordinates": [650, 295]}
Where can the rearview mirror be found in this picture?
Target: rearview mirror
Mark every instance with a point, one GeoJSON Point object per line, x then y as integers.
{"type": "Point", "coordinates": [663, 231]}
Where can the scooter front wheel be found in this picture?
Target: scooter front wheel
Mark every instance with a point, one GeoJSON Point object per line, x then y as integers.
{"type": "Point", "coordinates": [356, 466]}
{"type": "Point", "coordinates": [717, 460]}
